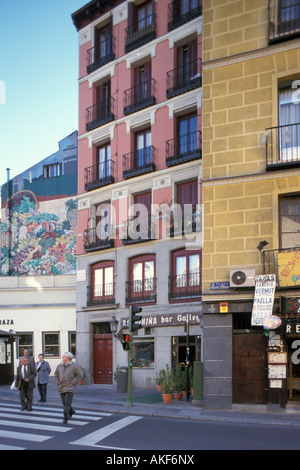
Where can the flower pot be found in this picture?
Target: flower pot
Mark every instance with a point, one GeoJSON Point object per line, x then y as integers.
{"type": "Point", "coordinates": [159, 387]}
{"type": "Point", "coordinates": [178, 396]}
{"type": "Point", "coordinates": [167, 397]}
{"type": "Point", "coordinates": [81, 382]}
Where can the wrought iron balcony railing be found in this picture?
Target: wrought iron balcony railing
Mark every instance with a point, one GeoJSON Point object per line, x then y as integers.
{"type": "Point", "coordinates": [283, 146]}
{"type": "Point", "coordinates": [184, 148]}
{"type": "Point", "coordinates": [185, 286]}
{"type": "Point", "coordinates": [99, 114]}
{"type": "Point", "coordinates": [102, 294]}
{"type": "Point", "coordinates": [99, 175]}
{"type": "Point", "coordinates": [284, 20]}
{"type": "Point", "coordinates": [285, 264]}
{"type": "Point", "coordinates": [184, 78]}
{"type": "Point", "coordinates": [141, 291]}
{"type": "Point", "coordinates": [180, 12]}
{"type": "Point", "coordinates": [100, 54]}
{"type": "Point", "coordinates": [92, 241]}
{"type": "Point", "coordinates": [139, 162]}
{"type": "Point", "coordinates": [142, 230]}
{"type": "Point", "coordinates": [140, 32]}
{"type": "Point", "coordinates": [139, 97]}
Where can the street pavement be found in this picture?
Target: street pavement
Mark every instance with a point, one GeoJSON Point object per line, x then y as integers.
{"type": "Point", "coordinates": [106, 398]}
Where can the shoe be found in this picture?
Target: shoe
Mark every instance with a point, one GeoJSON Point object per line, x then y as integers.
{"type": "Point", "coordinates": [43, 401]}
{"type": "Point", "coordinates": [65, 421]}
{"type": "Point", "coordinates": [40, 401]}
{"type": "Point", "coordinates": [23, 408]}
{"type": "Point", "coordinates": [72, 413]}
{"type": "Point", "coordinates": [30, 409]}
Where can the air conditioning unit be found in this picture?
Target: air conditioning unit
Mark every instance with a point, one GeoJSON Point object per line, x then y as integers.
{"type": "Point", "coordinates": [242, 278]}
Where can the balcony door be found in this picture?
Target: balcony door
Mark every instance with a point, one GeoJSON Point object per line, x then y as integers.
{"type": "Point", "coordinates": [289, 125]}
{"type": "Point", "coordinates": [103, 42]}
{"type": "Point", "coordinates": [104, 162]}
{"type": "Point", "coordinates": [187, 132]}
{"type": "Point", "coordinates": [186, 269]}
{"type": "Point", "coordinates": [186, 63]}
{"type": "Point", "coordinates": [288, 16]}
{"type": "Point", "coordinates": [143, 146]}
{"type": "Point", "coordinates": [102, 288]}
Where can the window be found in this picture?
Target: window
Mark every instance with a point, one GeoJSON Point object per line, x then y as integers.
{"type": "Point", "coordinates": [102, 283]}
{"type": "Point", "coordinates": [103, 42]}
{"type": "Point", "coordinates": [144, 16]}
{"type": "Point", "coordinates": [187, 198]}
{"type": "Point", "coordinates": [143, 352]}
{"type": "Point", "coordinates": [72, 342]}
{"type": "Point", "coordinates": [51, 345]}
{"type": "Point", "coordinates": [103, 226]}
{"type": "Point", "coordinates": [187, 132]}
{"type": "Point", "coordinates": [51, 170]}
{"type": "Point", "coordinates": [142, 285]}
{"type": "Point", "coordinates": [289, 12]}
{"type": "Point", "coordinates": [25, 341]}
{"type": "Point", "coordinates": [187, 62]}
{"type": "Point", "coordinates": [143, 146]}
{"type": "Point", "coordinates": [104, 162]}
{"type": "Point", "coordinates": [290, 221]}
{"type": "Point", "coordinates": [289, 122]}
{"type": "Point", "coordinates": [142, 79]}
{"type": "Point", "coordinates": [186, 274]}
{"type": "Point", "coordinates": [179, 350]}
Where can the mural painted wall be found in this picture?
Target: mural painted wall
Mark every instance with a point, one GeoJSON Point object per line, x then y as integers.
{"type": "Point", "coordinates": [38, 228]}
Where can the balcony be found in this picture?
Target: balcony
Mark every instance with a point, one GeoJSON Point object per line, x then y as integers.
{"type": "Point", "coordinates": [181, 12]}
{"type": "Point", "coordinates": [99, 114]}
{"type": "Point", "coordinates": [93, 242]}
{"type": "Point", "coordinates": [100, 55]}
{"type": "Point", "coordinates": [141, 291]}
{"type": "Point", "coordinates": [141, 232]}
{"type": "Point", "coordinates": [139, 162]}
{"type": "Point", "coordinates": [283, 147]}
{"type": "Point", "coordinates": [102, 294]}
{"type": "Point", "coordinates": [99, 175]}
{"type": "Point", "coordinates": [139, 97]}
{"type": "Point", "coordinates": [285, 263]}
{"type": "Point", "coordinates": [284, 20]}
{"type": "Point", "coordinates": [140, 32]}
{"type": "Point", "coordinates": [184, 148]}
{"type": "Point", "coordinates": [184, 78]}
{"type": "Point", "coordinates": [185, 286]}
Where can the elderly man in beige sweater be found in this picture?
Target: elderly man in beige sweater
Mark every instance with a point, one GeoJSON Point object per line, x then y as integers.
{"type": "Point", "coordinates": [66, 376]}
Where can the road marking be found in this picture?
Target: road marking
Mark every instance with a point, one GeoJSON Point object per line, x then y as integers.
{"type": "Point", "coordinates": [59, 412]}
{"type": "Point", "coordinates": [47, 408]}
{"type": "Point", "coordinates": [23, 437]}
{"type": "Point", "coordinates": [41, 427]}
{"type": "Point", "coordinates": [97, 436]}
{"type": "Point", "coordinates": [28, 417]}
{"type": "Point", "coordinates": [6, 447]}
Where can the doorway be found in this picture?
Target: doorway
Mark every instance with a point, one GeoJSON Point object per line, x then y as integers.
{"type": "Point", "coordinates": [249, 368]}
{"type": "Point", "coordinates": [103, 360]}
{"type": "Point", "coordinates": [293, 372]}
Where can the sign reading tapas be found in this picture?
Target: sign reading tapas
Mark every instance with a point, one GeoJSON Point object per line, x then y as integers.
{"type": "Point", "coordinates": [263, 299]}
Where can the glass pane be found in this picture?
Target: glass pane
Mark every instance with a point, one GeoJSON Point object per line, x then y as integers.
{"type": "Point", "coordinates": [181, 271]}
{"type": "Point", "coordinates": [2, 352]}
{"type": "Point", "coordinates": [194, 278]}
{"type": "Point", "coordinates": [138, 277]}
{"type": "Point", "coordinates": [98, 282]}
{"type": "Point", "coordinates": [149, 275]}
{"type": "Point", "coordinates": [109, 273]}
{"type": "Point", "coordinates": [51, 338]}
{"type": "Point", "coordinates": [25, 339]}
{"type": "Point", "coordinates": [8, 353]}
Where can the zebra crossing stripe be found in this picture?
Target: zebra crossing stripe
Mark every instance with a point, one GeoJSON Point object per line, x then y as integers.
{"type": "Point", "coordinates": [41, 427]}
{"type": "Point", "coordinates": [48, 408]}
{"type": "Point", "coordinates": [91, 417]}
{"type": "Point", "coordinates": [6, 447]}
{"type": "Point", "coordinates": [12, 413]}
{"type": "Point", "coordinates": [23, 437]}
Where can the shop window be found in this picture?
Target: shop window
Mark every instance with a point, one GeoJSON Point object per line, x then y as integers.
{"type": "Point", "coordinates": [51, 345]}
{"type": "Point", "coordinates": [143, 352]}
{"type": "Point", "coordinates": [25, 341]}
{"type": "Point", "coordinates": [289, 222]}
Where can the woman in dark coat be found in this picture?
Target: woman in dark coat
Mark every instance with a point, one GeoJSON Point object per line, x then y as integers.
{"type": "Point", "coordinates": [43, 371]}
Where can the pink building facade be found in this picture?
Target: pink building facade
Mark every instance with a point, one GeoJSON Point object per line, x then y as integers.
{"type": "Point", "coordinates": [139, 183]}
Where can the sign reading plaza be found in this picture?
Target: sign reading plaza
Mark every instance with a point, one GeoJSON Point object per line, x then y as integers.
{"type": "Point", "coordinates": [263, 299]}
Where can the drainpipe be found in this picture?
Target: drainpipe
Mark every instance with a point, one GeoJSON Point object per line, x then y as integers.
{"type": "Point", "coordinates": [8, 216]}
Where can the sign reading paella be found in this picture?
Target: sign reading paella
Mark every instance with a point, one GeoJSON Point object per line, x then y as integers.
{"type": "Point", "coordinates": [263, 299]}
{"type": "Point", "coordinates": [289, 268]}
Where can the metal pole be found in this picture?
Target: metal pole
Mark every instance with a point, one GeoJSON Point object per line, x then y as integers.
{"type": "Point", "coordinates": [187, 360]}
{"type": "Point", "coordinates": [8, 215]}
{"type": "Point", "coordinates": [129, 376]}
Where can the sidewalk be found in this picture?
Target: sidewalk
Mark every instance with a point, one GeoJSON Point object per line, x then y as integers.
{"type": "Point", "coordinates": [149, 403]}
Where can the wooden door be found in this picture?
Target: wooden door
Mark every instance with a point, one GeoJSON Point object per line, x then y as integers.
{"type": "Point", "coordinates": [249, 372]}
{"type": "Point", "coordinates": [103, 372]}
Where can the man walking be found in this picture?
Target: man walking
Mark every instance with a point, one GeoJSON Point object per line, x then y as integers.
{"type": "Point", "coordinates": [43, 371]}
{"type": "Point", "coordinates": [66, 376]}
{"type": "Point", "coordinates": [26, 374]}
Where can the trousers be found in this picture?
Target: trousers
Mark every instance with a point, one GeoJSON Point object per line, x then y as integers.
{"type": "Point", "coordinates": [26, 395]}
{"type": "Point", "coordinates": [67, 399]}
{"type": "Point", "coordinates": [43, 391]}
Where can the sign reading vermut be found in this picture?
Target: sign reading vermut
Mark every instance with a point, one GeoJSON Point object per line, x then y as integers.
{"type": "Point", "coordinates": [263, 299]}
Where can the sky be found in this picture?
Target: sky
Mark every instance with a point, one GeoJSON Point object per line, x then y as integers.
{"type": "Point", "coordinates": [38, 80]}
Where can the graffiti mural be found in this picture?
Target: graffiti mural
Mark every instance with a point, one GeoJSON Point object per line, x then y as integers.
{"type": "Point", "coordinates": [41, 236]}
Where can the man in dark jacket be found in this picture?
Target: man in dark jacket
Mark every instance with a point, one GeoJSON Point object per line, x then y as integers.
{"type": "Point", "coordinates": [66, 376]}
{"type": "Point", "coordinates": [26, 374]}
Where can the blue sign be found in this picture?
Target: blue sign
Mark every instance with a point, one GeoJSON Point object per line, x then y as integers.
{"type": "Point", "coordinates": [219, 285]}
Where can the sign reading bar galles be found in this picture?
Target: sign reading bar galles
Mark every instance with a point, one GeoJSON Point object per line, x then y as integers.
{"type": "Point", "coordinates": [263, 299]}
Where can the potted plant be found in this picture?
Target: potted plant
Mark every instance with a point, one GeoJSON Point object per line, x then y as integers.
{"type": "Point", "coordinates": [167, 385]}
{"type": "Point", "coordinates": [178, 383]}
{"type": "Point", "coordinates": [83, 376]}
{"type": "Point", "coordinates": [159, 379]}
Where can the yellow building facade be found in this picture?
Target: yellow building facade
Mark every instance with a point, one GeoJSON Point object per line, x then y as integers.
{"type": "Point", "coordinates": [251, 193]}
